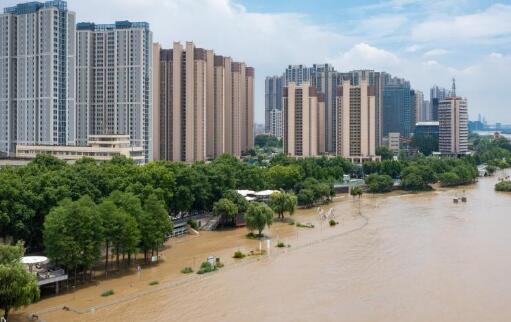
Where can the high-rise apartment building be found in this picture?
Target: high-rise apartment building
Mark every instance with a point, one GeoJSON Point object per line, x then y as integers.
{"type": "Point", "coordinates": [276, 123]}
{"type": "Point", "coordinates": [297, 74]}
{"type": "Point", "coordinates": [377, 80]}
{"type": "Point", "coordinates": [37, 75]}
{"type": "Point", "coordinates": [436, 94]}
{"type": "Point", "coordinates": [114, 82]}
{"type": "Point", "coordinates": [324, 78]}
{"type": "Point", "coordinates": [398, 114]}
{"type": "Point", "coordinates": [273, 88]}
{"type": "Point", "coordinates": [418, 107]}
{"type": "Point", "coordinates": [356, 121]}
{"type": "Point", "coordinates": [303, 120]}
{"type": "Point", "coordinates": [453, 126]}
{"type": "Point", "coordinates": [206, 104]}
{"type": "Point", "coordinates": [426, 111]}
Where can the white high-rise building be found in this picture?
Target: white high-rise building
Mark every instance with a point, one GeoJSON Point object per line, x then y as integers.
{"type": "Point", "coordinates": [114, 82]}
{"type": "Point", "coordinates": [276, 123]}
{"type": "Point", "coordinates": [453, 127]}
{"type": "Point", "coordinates": [37, 75]}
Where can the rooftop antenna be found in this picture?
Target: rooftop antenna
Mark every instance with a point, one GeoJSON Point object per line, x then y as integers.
{"type": "Point", "coordinates": [453, 91]}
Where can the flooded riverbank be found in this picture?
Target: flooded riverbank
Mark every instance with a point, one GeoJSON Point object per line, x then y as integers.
{"type": "Point", "coordinates": [407, 257]}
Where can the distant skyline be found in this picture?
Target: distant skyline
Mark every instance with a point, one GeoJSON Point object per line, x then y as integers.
{"type": "Point", "coordinates": [426, 42]}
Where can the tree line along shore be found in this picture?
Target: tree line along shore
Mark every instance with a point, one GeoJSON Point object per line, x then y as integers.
{"type": "Point", "coordinates": [76, 214]}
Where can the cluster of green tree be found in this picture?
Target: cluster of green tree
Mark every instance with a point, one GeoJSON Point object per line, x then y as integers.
{"type": "Point", "coordinates": [311, 191]}
{"type": "Point", "coordinates": [419, 173]}
{"type": "Point", "coordinates": [379, 183]}
{"type": "Point", "coordinates": [75, 232]}
{"type": "Point", "coordinates": [492, 151]}
{"type": "Point", "coordinates": [265, 140]}
{"type": "Point", "coordinates": [18, 287]}
{"type": "Point", "coordinates": [385, 153]}
{"type": "Point", "coordinates": [426, 144]}
{"type": "Point", "coordinates": [28, 193]}
{"type": "Point", "coordinates": [504, 185]}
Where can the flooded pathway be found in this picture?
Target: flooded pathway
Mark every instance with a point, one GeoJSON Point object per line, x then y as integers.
{"type": "Point", "coordinates": [404, 257]}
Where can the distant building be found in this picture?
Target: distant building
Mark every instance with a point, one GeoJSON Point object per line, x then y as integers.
{"type": "Point", "coordinates": [436, 94]}
{"type": "Point", "coordinates": [356, 121]}
{"type": "Point", "coordinates": [430, 128]}
{"type": "Point", "coordinates": [100, 148]}
{"type": "Point", "coordinates": [273, 89]}
{"type": "Point", "coordinates": [453, 126]}
{"type": "Point", "coordinates": [37, 75]}
{"type": "Point", "coordinates": [475, 126]}
{"type": "Point", "coordinates": [302, 115]}
{"type": "Point", "coordinates": [398, 115]}
{"type": "Point", "coordinates": [277, 123]}
{"type": "Point", "coordinates": [114, 82]}
{"type": "Point", "coordinates": [393, 141]}
{"type": "Point", "coordinates": [426, 112]}
{"type": "Point", "coordinates": [418, 107]}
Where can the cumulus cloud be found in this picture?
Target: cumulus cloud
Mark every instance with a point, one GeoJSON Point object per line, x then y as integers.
{"type": "Point", "coordinates": [365, 56]}
{"type": "Point", "coordinates": [493, 22]}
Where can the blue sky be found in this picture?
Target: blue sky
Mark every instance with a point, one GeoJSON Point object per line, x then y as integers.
{"type": "Point", "coordinates": [427, 42]}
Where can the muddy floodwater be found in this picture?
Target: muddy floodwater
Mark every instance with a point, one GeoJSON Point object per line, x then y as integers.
{"type": "Point", "coordinates": [397, 257]}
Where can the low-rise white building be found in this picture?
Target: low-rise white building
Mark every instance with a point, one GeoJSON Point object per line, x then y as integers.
{"type": "Point", "coordinates": [100, 148]}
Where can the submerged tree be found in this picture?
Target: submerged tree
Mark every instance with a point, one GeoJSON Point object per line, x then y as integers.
{"type": "Point", "coordinates": [226, 209]}
{"type": "Point", "coordinates": [73, 234]}
{"type": "Point", "coordinates": [17, 286]}
{"type": "Point", "coordinates": [258, 216]}
{"type": "Point", "coordinates": [282, 202]}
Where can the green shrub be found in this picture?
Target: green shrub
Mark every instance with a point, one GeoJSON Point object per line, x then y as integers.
{"type": "Point", "coordinates": [206, 267]}
{"type": "Point", "coordinates": [307, 225]}
{"type": "Point", "coordinates": [187, 270]}
{"type": "Point", "coordinates": [503, 185]}
{"type": "Point", "coordinates": [154, 283]}
{"type": "Point", "coordinates": [281, 244]}
{"type": "Point", "coordinates": [238, 254]}
{"type": "Point", "coordinates": [193, 224]}
{"type": "Point", "coordinates": [332, 222]}
{"type": "Point", "coordinates": [107, 293]}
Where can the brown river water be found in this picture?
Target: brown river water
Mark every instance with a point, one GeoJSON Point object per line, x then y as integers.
{"type": "Point", "coordinates": [396, 257]}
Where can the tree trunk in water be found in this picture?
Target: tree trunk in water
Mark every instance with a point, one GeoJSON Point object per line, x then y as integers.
{"type": "Point", "coordinates": [6, 312]}
{"type": "Point", "coordinates": [117, 257]}
{"type": "Point", "coordinates": [106, 260]}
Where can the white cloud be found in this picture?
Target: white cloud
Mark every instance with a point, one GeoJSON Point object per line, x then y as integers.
{"type": "Point", "coordinates": [436, 52]}
{"type": "Point", "coordinates": [493, 22]}
{"type": "Point", "coordinates": [365, 56]}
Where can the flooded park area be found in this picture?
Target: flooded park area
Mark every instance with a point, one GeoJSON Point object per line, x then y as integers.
{"type": "Point", "coordinates": [394, 257]}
